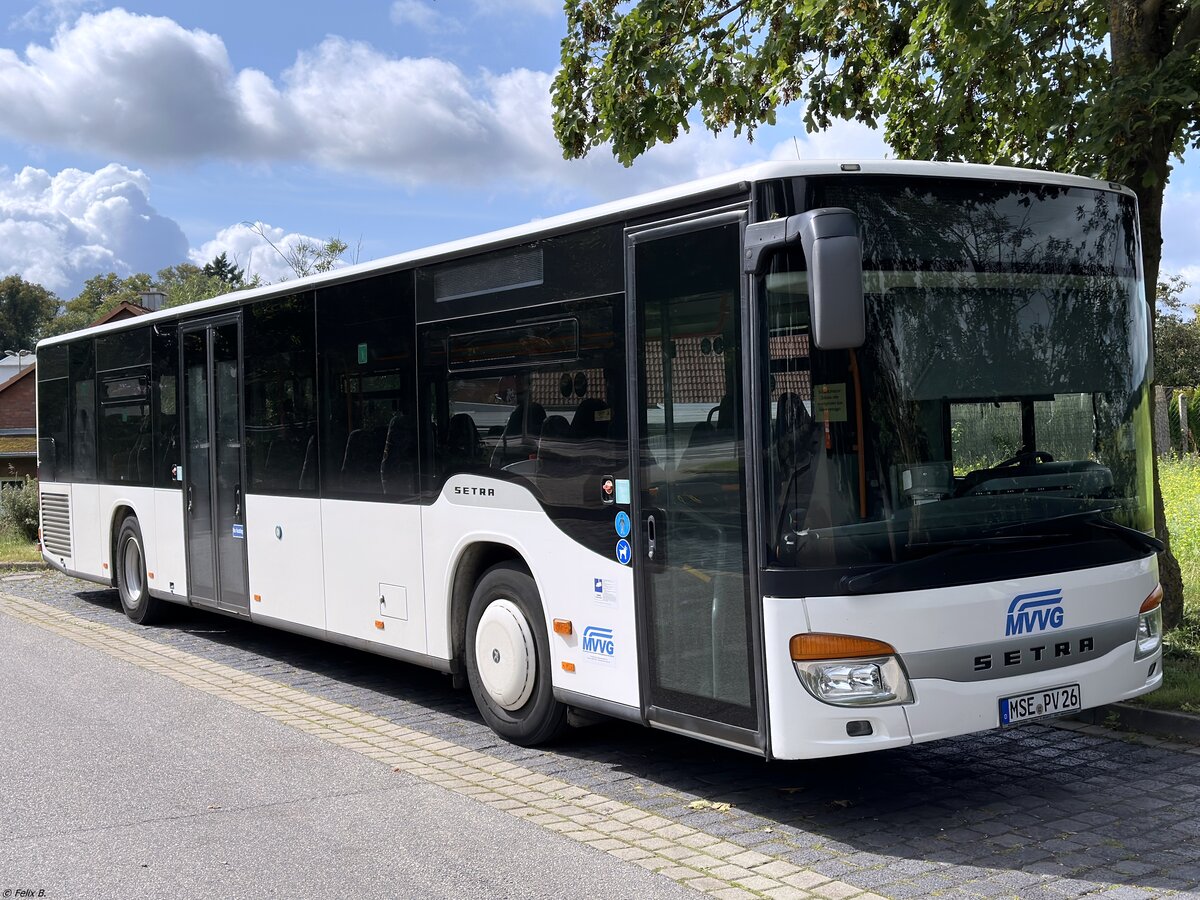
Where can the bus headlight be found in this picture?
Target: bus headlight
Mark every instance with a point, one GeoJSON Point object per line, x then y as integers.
{"type": "Point", "coordinates": [845, 670]}
{"type": "Point", "coordinates": [1149, 627]}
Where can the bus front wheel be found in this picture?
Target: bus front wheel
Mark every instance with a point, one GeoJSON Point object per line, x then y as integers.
{"type": "Point", "coordinates": [508, 658]}
{"type": "Point", "coordinates": [130, 565]}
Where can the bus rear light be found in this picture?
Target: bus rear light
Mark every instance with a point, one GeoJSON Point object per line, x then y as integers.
{"type": "Point", "coordinates": [1149, 626]}
{"type": "Point", "coordinates": [846, 670]}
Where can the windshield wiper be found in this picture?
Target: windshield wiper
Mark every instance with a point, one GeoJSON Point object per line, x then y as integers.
{"type": "Point", "coordinates": [1139, 540]}
{"type": "Point", "coordinates": [861, 584]}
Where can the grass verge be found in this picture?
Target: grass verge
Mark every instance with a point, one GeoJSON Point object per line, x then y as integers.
{"type": "Point", "coordinates": [1179, 478]}
{"type": "Point", "coordinates": [14, 548]}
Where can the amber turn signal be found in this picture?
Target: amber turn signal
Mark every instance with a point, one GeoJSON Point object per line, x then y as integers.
{"type": "Point", "coordinates": [808, 647]}
{"type": "Point", "coordinates": [563, 627]}
{"type": "Point", "coordinates": [1154, 600]}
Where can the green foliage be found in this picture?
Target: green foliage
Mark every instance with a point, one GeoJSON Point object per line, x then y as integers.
{"type": "Point", "coordinates": [221, 268]}
{"type": "Point", "coordinates": [1176, 338]}
{"type": "Point", "coordinates": [1192, 403]}
{"type": "Point", "coordinates": [1002, 81]}
{"type": "Point", "coordinates": [182, 283]}
{"type": "Point", "coordinates": [26, 309]}
{"type": "Point", "coordinates": [188, 283]}
{"type": "Point", "coordinates": [306, 257]}
{"type": "Point", "coordinates": [14, 548]}
{"type": "Point", "coordinates": [309, 258]}
{"type": "Point", "coordinates": [100, 295]}
{"type": "Point", "coordinates": [1179, 478]}
{"type": "Point", "coordinates": [19, 509]}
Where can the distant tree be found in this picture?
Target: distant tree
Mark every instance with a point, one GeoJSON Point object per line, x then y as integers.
{"type": "Point", "coordinates": [188, 283]}
{"type": "Point", "coordinates": [309, 257]}
{"type": "Point", "coordinates": [306, 257]}
{"type": "Point", "coordinates": [100, 294]}
{"type": "Point", "coordinates": [1176, 336]}
{"type": "Point", "coordinates": [26, 309]}
{"type": "Point", "coordinates": [220, 267]}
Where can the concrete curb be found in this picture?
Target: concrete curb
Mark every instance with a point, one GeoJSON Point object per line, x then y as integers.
{"type": "Point", "coordinates": [1159, 722]}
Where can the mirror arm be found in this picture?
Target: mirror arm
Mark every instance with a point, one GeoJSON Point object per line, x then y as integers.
{"type": "Point", "coordinates": [763, 238]}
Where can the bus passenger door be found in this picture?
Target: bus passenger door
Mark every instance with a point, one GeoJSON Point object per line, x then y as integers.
{"type": "Point", "coordinates": [212, 466]}
{"type": "Point", "coordinates": [691, 560]}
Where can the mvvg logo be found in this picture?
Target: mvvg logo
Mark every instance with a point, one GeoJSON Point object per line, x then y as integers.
{"type": "Point", "coordinates": [599, 641]}
{"type": "Point", "coordinates": [1041, 611]}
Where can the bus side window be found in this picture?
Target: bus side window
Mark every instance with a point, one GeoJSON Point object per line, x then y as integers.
{"type": "Point", "coordinates": [369, 428]}
{"type": "Point", "coordinates": [281, 414]}
{"type": "Point", "coordinates": [83, 410]}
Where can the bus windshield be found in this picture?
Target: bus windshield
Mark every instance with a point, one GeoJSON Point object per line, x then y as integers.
{"type": "Point", "coordinates": [999, 401]}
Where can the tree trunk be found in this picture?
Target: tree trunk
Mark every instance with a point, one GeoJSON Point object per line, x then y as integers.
{"type": "Point", "coordinates": [1138, 42]}
{"type": "Point", "coordinates": [1150, 212]}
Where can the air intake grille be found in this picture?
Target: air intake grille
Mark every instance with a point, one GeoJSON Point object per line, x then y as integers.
{"type": "Point", "coordinates": [489, 275]}
{"type": "Point", "coordinates": [56, 523]}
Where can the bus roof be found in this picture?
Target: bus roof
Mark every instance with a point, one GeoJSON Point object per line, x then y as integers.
{"type": "Point", "coordinates": [735, 181]}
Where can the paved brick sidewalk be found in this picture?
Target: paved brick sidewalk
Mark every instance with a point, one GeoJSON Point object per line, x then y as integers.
{"type": "Point", "coordinates": [1033, 812]}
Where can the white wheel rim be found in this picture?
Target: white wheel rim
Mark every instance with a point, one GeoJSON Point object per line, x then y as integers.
{"type": "Point", "coordinates": [132, 559]}
{"type": "Point", "coordinates": [505, 654]}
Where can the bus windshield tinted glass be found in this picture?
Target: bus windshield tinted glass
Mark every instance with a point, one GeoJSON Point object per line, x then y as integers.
{"type": "Point", "coordinates": [1002, 385]}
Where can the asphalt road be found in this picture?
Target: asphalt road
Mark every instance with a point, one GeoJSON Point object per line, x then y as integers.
{"type": "Point", "coordinates": [120, 783]}
{"type": "Point", "coordinates": [1032, 812]}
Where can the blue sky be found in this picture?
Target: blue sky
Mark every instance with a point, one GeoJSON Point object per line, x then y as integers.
{"type": "Point", "coordinates": [139, 136]}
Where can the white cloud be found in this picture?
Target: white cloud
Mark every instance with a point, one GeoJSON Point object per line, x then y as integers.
{"type": "Point", "coordinates": [145, 88]}
{"type": "Point", "coordinates": [507, 7]}
{"type": "Point", "coordinates": [59, 230]}
{"type": "Point", "coordinates": [133, 85]}
{"type": "Point", "coordinates": [256, 247]}
{"type": "Point", "coordinates": [842, 140]}
{"type": "Point", "coordinates": [424, 17]}
{"type": "Point", "coordinates": [46, 15]}
{"type": "Point", "coordinates": [1181, 233]}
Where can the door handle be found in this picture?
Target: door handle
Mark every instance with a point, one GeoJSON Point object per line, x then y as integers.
{"type": "Point", "coordinates": [191, 504]}
{"type": "Point", "coordinates": [651, 537]}
{"type": "Point", "coordinates": [237, 502]}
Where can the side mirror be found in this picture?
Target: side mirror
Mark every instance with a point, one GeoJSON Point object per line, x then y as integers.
{"type": "Point", "coordinates": [833, 250]}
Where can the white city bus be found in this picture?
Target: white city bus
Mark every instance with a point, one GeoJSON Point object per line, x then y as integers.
{"type": "Point", "coordinates": [807, 459]}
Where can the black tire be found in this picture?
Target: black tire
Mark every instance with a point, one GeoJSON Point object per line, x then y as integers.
{"type": "Point", "coordinates": [129, 565]}
{"type": "Point", "coordinates": [540, 718]}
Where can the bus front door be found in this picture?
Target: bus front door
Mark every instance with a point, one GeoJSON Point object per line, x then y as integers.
{"type": "Point", "coordinates": [691, 557]}
{"type": "Point", "coordinates": [212, 466]}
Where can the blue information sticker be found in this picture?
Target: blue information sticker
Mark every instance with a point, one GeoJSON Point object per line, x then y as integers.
{"type": "Point", "coordinates": [239, 531]}
{"type": "Point", "coordinates": [624, 552]}
{"type": "Point", "coordinates": [622, 524]}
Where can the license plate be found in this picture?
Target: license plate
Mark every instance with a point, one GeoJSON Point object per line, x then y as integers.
{"type": "Point", "coordinates": [1036, 704]}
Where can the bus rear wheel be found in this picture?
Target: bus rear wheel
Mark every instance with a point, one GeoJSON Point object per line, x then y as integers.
{"type": "Point", "coordinates": [508, 658]}
{"type": "Point", "coordinates": [130, 564]}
